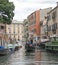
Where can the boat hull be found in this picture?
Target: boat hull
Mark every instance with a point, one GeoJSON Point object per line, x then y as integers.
{"type": "Point", "coordinates": [29, 48]}
{"type": "Point", "coordinates": [16, 48]}
{"type": "Point", "coordinates": [4, 52]}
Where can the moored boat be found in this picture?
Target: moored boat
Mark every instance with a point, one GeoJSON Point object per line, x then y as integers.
{"type": "Point", "coordinates": [43, 41]}
{"type": "Point", "coordinates": [4, 50]}
{"type": "Point", "coordinates": [29, 47]}
{"type": "Point", "coordinates": [53, 44]}
{"type": "Point", "coordinates": [16, 47]}
{"type": "Point", "coordinates": [11, 47]}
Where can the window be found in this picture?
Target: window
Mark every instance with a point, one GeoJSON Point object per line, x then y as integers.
{"type": "Point", "coordinates": [44, 37]}
{"type": "Point", "coordinates": [41, 23]}
{"type": "Point", "coordinates": [54, 27]}
{"type": "Point", "coordinates": [54, 15]}
{"type": "Point", "coordinates": [1, 27]}
{"type": "Point", "coordinates": [38, 38]}
{"type": "Point", "coordinates": [34, 30]}
{"type": "Point", "coordinates": [9, 32]}
{"type": "Point", "coordinates": [49, 28]}
{"type": "Point", "coordinates": [48, 18]}
{"type": "Point", "coordinates": [14, 31]}
{"type": "Point", "coordinates": [32, 22]}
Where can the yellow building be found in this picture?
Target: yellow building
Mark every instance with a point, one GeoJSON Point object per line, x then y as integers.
{"type": "Point", "coordinates": [15, 30]}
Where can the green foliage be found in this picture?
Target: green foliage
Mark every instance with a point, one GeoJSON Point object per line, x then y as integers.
{"type": "Point", "coordinates": [6, 11]}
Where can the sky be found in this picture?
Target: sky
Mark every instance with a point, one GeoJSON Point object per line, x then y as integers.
{"type": "Point", "coordinates": [23, 8]}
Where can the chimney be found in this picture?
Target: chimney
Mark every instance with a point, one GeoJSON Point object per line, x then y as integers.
{"type": "Point", "coordinates": [57, 3]}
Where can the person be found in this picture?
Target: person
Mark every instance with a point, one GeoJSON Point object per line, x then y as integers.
{"type": "Point", "coordinates": [31, 41]}
{"type": "Point", "coordinates": [34, 42]}
{"type": "Point", "coordinates": [27, 44]}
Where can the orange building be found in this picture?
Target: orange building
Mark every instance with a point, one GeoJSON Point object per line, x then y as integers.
{"type": "Point", "coordinates": [35, 19]}
{"type": "Point", "coordinates": [34, 23]}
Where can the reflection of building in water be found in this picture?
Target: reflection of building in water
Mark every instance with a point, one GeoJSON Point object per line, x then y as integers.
{"type": "Point", "coordinates": [38, 56]}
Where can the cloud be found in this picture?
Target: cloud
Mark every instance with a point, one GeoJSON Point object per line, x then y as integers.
{"type": "Point", "coordinates": [38, 1]}
{"type": "Point", "coordinates": [23, 8]}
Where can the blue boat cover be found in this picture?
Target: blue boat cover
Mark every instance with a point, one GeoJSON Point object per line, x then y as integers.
{"type": "Point", "coordinates": [2, 47]}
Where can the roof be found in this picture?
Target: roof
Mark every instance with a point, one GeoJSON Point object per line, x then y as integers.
{"type": "Point", "coordinates": [52, 9]}
{"type": "Point", "coordinates": [16, 22]}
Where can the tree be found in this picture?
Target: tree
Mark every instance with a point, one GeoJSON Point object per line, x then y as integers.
{"type": "Point", "coordinates": [6, 11]}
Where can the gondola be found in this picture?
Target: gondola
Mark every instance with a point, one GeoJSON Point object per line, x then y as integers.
{"type": "Point", "coordinates": [30, 48]}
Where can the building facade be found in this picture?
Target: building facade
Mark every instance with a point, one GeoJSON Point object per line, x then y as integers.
{"type": "Point", "coordinates": [26, 33]}
{"type": "Point", "coordinates": [53, 21]}
{"type": "Point", "coordinates": [15, 30]}
{"type": "Point", "coordinates": [2, 31]}
{"type": "Point", "coordinates": [34, 24]}
{"type": "Point", "coordinates": [3, 36]}
{"type": "Point", "coordinates": [37, 22]}
{"type": "Point", "coordinates": [43, 20]}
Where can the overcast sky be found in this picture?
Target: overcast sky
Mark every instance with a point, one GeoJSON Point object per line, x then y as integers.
{"type": "Point", "coordinates": [23, 8]}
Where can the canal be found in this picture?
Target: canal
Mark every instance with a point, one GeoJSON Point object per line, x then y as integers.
{"type": "Point", "coordinates": [39, 57]}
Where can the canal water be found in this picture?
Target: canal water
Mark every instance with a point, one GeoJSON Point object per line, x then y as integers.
{"type": "Point", "coordinates": [39, 57]}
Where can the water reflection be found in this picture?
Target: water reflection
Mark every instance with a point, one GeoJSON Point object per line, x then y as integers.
{"type": "Point", "coordinates": [39, 57]}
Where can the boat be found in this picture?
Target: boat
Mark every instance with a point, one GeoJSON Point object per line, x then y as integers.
{"type": "Point", "coordinates": [18, 45]}
{"type": "Point", "coordinates": [11, 47]}
{"type": "Point", "coordinates": [4, 50]}
{"type": "Point", "coordinates": [43, 41]}
{"type": "Point", "coordinates": [53, 44]}
{"type": "Point", "coordinates": [29, 47]}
